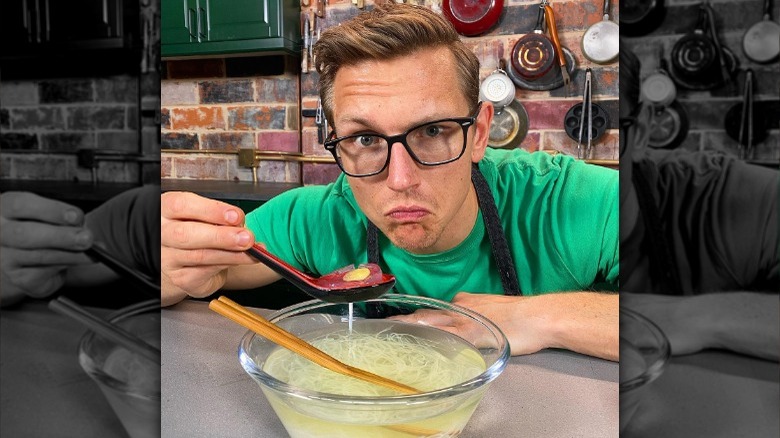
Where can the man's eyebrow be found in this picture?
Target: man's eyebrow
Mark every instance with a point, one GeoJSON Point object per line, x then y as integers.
{"type": "Point", "coordinates": [358, 120]}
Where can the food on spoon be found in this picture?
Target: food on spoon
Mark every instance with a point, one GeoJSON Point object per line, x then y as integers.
{"type": "Point", "coordinates": [349, 277]}
{"type": "Point", "coordinates": [358, 274]}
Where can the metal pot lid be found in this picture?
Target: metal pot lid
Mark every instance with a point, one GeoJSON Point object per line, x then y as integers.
{"type": "Point", "coordinates": [546, 82]}
{"type": "Point", "coordinates": [509, 127]}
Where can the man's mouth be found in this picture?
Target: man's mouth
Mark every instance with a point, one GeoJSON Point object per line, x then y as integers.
{"type": "Point", "coordinates": [407, 214]}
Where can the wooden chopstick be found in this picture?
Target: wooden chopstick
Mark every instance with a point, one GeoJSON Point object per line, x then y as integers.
{"type": "Point", "coordinates": [242, 316]}
{"type": "Point", "coordinates": [104, 328]}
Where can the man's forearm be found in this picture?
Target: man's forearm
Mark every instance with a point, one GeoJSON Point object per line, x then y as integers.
{"type": "Point", "coordinates": [585, 322]}
{"type": "Point", "coordinates": [743, 322]}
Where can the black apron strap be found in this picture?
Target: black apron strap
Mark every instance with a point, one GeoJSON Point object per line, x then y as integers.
{"type": "Point", "coordinates": [495, 231]}
{"type": "Point", "coordinates": [372, 243]}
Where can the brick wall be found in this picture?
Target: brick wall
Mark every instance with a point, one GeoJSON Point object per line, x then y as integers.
{"type": "Point", "coordinates": [211, 107]}
{"type": "Point", "coordinates": [44, 122]}
{"type": "Point", "coordinates": [706, 110]}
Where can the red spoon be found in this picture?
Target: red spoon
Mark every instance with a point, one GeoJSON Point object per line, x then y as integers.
{"type": "Point", "coordinates": [344, 285]}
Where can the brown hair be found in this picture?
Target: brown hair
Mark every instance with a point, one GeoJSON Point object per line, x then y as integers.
{"type": "Point", "coordinates": [389, 31]}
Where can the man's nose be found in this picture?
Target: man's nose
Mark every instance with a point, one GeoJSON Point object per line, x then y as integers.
{"type": "Point", "coordinates": [402, 170]}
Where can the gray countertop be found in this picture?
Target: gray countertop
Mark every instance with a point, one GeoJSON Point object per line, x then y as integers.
{"type": "Point", "coordinates": [206, 392]}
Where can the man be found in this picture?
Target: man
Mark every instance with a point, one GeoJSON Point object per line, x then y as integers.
{"type": "Point", "coordinates": [692, 224]}
{"type": "Point", "coordinates": [42, 242]}
{"type": "Point", "coordinates": [401, 91]}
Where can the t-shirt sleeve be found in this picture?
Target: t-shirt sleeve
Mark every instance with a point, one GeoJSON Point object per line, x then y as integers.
{"type": "Point", "coordinates": [722, 219]}
{"type": "Point", "coordinates": [588, 220]}
{"type": "Point", "coordinates": [128, 227]}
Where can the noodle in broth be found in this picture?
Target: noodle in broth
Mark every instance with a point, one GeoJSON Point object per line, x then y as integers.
{"type": "Point", "coordinates": [421, 363]}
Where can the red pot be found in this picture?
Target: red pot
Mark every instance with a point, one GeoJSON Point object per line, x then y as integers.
{"type": "Point", "coordinates": [473, 17]}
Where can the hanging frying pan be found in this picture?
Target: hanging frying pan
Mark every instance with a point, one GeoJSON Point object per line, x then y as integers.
{"type": "Point", "coordinates": [548, 82]}
{"type": "Point", "coordinates": [640, 17]}
{"type": "Point", "coordinates": [761, 42]}
{"type": "Point", "coordinates": [534, 55]}
{"type": "Point", "coordinates": [600, 43]}
{"type": "Point", "coordinates": [509, 127]}
{"type": "Point", "coordinates": [699, 62]}
{"type": "Point", "coordinates": [473, 17]}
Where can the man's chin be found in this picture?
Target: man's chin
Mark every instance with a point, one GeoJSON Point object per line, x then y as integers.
{"type": "Point", "coordinates": [412, 238]}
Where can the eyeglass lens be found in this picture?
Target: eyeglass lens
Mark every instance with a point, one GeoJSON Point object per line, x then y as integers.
{"type": "Point", "coordinates": [434, 143]}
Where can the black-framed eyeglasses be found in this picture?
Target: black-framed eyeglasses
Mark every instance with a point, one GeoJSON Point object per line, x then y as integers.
{"type": "Point", "coordinates": [430, 144]}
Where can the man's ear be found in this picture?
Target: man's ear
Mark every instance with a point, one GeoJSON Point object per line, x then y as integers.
{"type": "Point", "coordinates": [482, 131]}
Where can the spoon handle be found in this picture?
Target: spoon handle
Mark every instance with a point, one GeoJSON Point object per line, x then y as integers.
{"type": "Point", "coordinates": [104, 328]}
{"type": "Point", "coordinates": [144, 283]}
{"type": "Point", "coordinates": [282, 268]}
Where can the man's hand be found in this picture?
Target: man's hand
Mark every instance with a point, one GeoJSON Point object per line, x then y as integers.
{"type": "Point", "coordinates": [201, 238]}
{"type": "Point", "coordinates": [742, 322]}
{"type": "Point", "coordinates": [585, 322]}
{"type": "Point", "coordinates": [40, 239]}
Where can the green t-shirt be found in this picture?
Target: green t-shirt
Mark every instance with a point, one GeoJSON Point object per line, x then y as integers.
{"type": "Point", "coordinates": [560, 218]}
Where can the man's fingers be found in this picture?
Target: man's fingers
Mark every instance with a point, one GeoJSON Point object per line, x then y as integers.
{"type": "Point", "coordinates": [198, 282]}
{"type": "Point", "coordinates": [32, 235]}
{"type": "Point", "coordinates": [438, 318]}
{"type": "Point", "coordinates": [177, 258]}
{"type": "Point", "coordinates": [194, 235]}
{"type": "Point", "coordinates": [49, 257]}
{"type": "Point", "coordinates": [38, 282]}
{"type": "Point", "coordinates": [29, 206]}
{"type": "Point", "coordinates": [191, 207]}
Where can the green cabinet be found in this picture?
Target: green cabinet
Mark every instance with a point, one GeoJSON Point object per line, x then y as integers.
{"type": "Point", "coordinates": [200, 28]}
{"type": "Point", "coordinates": [31, 28]}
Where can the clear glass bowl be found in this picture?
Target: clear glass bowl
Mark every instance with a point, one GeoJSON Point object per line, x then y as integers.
{"type": "Point", "coordinates": [440, 413]}
{"type": "Point", "coordinates": [130, 383]}
{"type": "Point", "coordinates": [644, 352]}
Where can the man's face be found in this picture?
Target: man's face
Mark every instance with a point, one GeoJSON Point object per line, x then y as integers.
{"type": "Point", "coordinates": [422, 209]}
